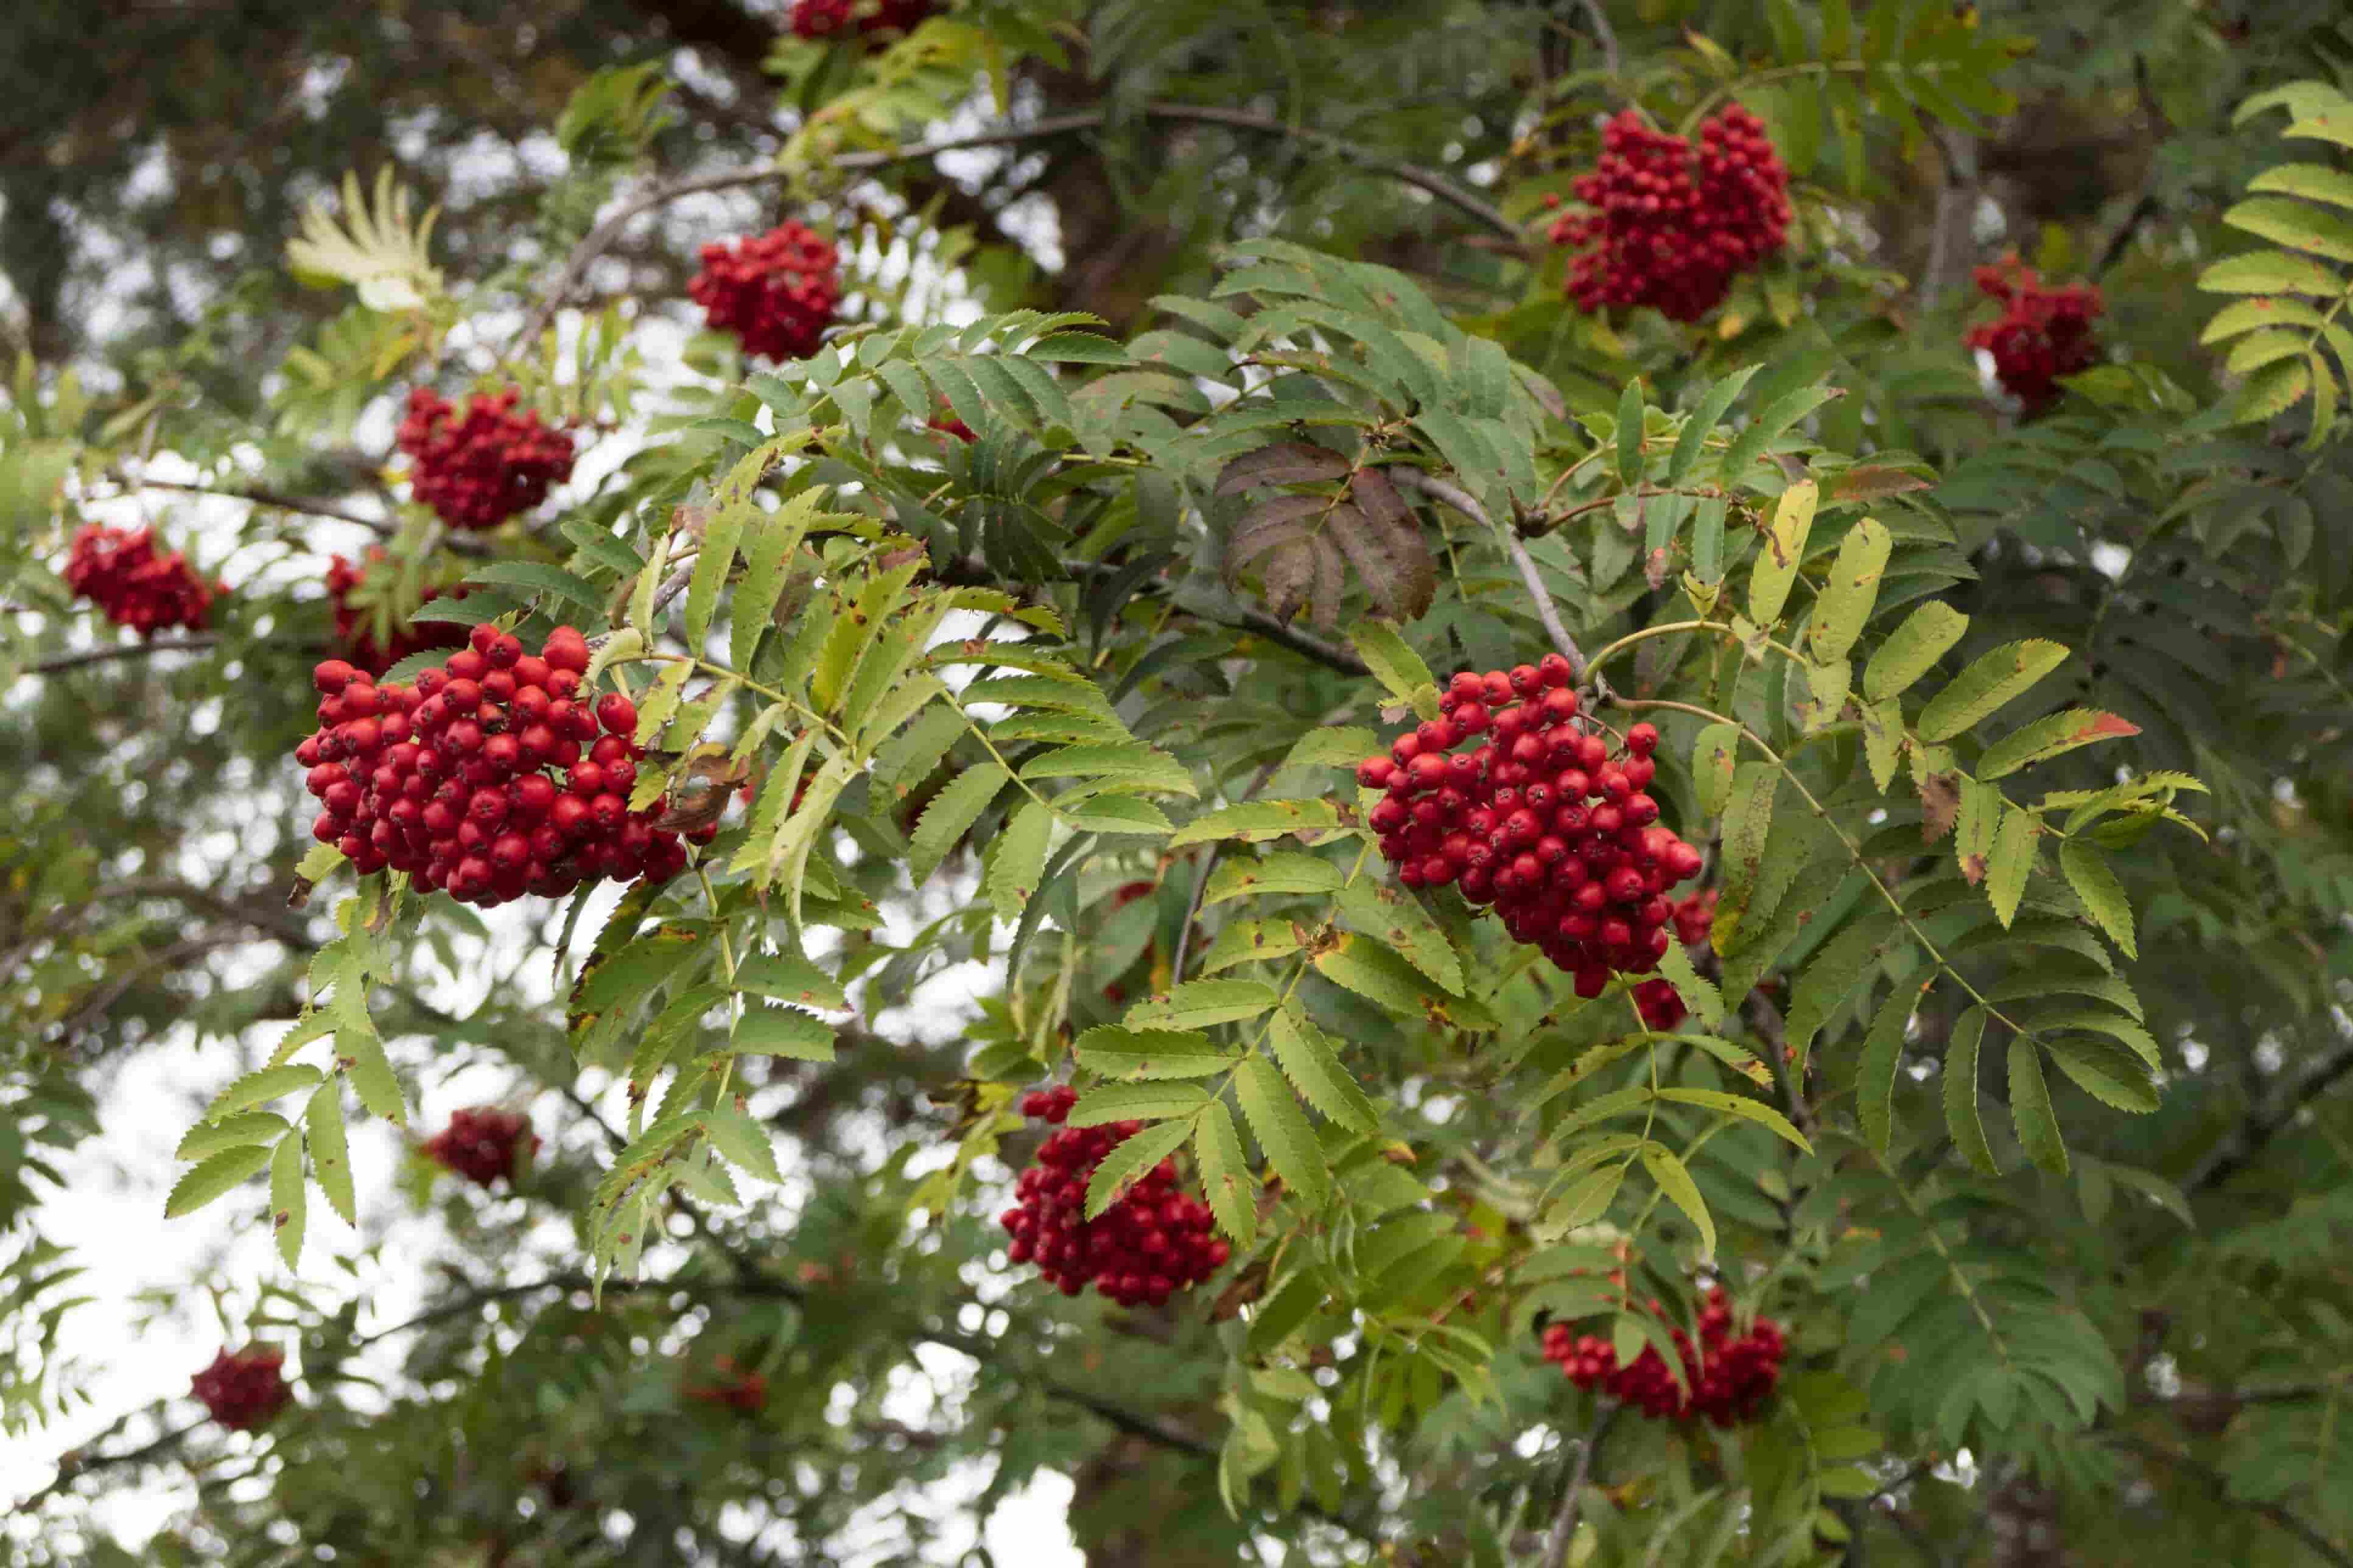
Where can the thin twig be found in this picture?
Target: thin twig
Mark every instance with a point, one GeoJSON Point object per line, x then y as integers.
{"type": "Point", "coordinates": [2217, 1485]}
{"type": "Point", "coordinates": [261, 497]}
{"type": "Point", "coordinates": [1463, 501]}
{"type": "Point", "coordinates": [2237, 1151]}
{"type": "Point", "coordinates": [1604, 36]}
{"type": "Point", "coordinates": [1563, 1524]}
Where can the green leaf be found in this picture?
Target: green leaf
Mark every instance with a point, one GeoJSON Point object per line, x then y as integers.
{"type": "Point", "coordinates": [2013, 858]}
{"type": "Point", "coordinates": [1742, 1106]}
{"type": "Point", "coordinates": [1339, 746]}
{"type": "Point", "coordinates": [2270, 272]}
{"type": "Point", "coordinates": [1282, 1130]}
{"type": "Point", "coordinates": [1676, 1182]}
{"type": "Point", "coordinates": [1973, 830]}
{"type": "Point", "coordinates": [1629, 434]}
{"type": "Point", "coordinates": [784, 1032]}
{"type": "Point", "coordinates": [2293, 222]}
{"type": "Point", "coordinates": [1776, 571]}
{"type": "Point", "coordinates": [1283, 873]}
{"type": "Point", "coordinates": [331, 1155]}
{"type": "Point", "coordinates": [1284, 1312]}
{"type": "Point", "coordinates": [1134, 1155]}
{"type": "Point", "coordinates": [2030, 1108]}
{"type": "Point", "coordinates": [1883, 1053]}
{"type": "Point", "coordinates": [1113, 814]}
{"type": "Point", "coordinates": [1198, 1004]}
{"type": "Point", "coordinates": [2315, 181]}
{"type": "Point", "coordinates": [1393, 915]}
{"type": "Point", "coordinates": [2048, 737]}
{"type": "Point", "coordinates": [1135, 1103]}
{"type": "Point", "coordinates": [1991, 681]}
{"type": "Point", "coordinates": [1226, 1178]}
{"type": "Point", "coordinates": [1846, 599]}
{"type": "Point", "coordinates": [539, 578]}
{"type": "Point", "coordinates": [1772, 422]}
{"type": "Point", "coordinates": [1961, 1090]}
{"type": "Point", "coordinates": [2087, 872]}
{"type": "Point", "coordinates": [1373, 970]}
{"type": "Point", "coordinates": [744, 1143]}
{"type": "Point", "coordinates": [1397, 667]}
{"type": "Point", "coordinates": [290, 1209]}
{"type": "Point", "coordinates": [1016, 859]}
{"type": "Point", "coordinates": [766, 549]}
{"type": "Point", "coordinates": [213, 1177]}
{"type": "Point", "coordinates": [1248, 942]}
{"type": "Point", "coordinates": [1310, 1059]}
{"type": "Point", "coordinates": [1883, 739]}
{"type": "Point", "coordinates": [1585, 1200]}
{"type": "Point", "coordinates": [1146, 1055]}
{"type": "Point", "coordinates": [230, 1132]}
{"type": "Point", "coordinates": [372, 1075]}
{"type": "Point", "coordinates": [1912, 649]}
{"type": "Point", "coordinates": [1714, 755]}
{"type": "Point", "coordinates": [951, 812]}
{"type": "Point", "coordinates": [2106, 1071]}
{"type": "Point", "coordinates": [1706, 1003]}
{"type": "Point", "coordinates": [1703, 421]}
{"type": "Point", "coordinates": [260, 1087]}
{"type": "Point", "coordinates": [788, 977]}
{"type": "Point", "coordinates": [1080, 348]}
{"type": "Point", "coordinates": [1835, 975]}
{"type": "Point", "coordinates": [1256, 821]}
{"type": "Point", "coordinates": [1746, 824]}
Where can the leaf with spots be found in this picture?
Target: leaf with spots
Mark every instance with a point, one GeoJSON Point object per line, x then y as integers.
{"type": "Point", "coordinates": [1393, 915]}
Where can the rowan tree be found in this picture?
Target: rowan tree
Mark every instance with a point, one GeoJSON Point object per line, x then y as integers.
{"type": "Point", "coordinates": [1497, 784]}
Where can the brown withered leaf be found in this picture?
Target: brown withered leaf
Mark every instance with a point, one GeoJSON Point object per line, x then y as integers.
{"type": "Point", "coordinates": [1875, 482]}
{"type": "Point", "coordinates": [698, 798]}
{"type": "Point", "coordinates": [1248, 1287]}
{"type": "Point", "coordinates": [1371, 531]}
{"type": "Point", "coordinates": [1284, 463]}
{"type": "Point", "coordinates": [1940, 806]}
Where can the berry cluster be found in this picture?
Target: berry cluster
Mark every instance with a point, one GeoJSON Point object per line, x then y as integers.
{"type": "Point", "coordinates": [482, 1143]}
{"type": "Point", "coordinates": [1152, 1243]}
{"type": "Point", "coordinates": [2042, 334]}
{"type": "Point", "coordinates": [952, 425]}
{"type": "Point", "coordinates": [829, 18]}
{"type": "Point", "coordinates": [1658, 1002]}
{"type": "Point", "coordinates": [743, 1392]}
{"type": "Point", "coordinates": [474, 780]}
{"type": "Point", "coordinates": [1541, 821]}
{"type": "Point", "coordinates": [1729, 1378]}
{"type": "Point", "coordinates": [119, 569]}
{"type": "Point", "coordinates": [1671, 227]}
{"type": "Point", "coordinates": [356, 627]}
{"type": "Point", "coordinates": [776, 292]}
{"type": "Point", "coordinates": [481, 468]}
{"type": "Point", "coordinates": [244, 1390]}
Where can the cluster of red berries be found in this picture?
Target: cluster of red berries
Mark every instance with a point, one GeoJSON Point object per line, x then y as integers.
{"type": "Point", "coordinates": [355, 626]}
{"type": "Point", "coordinates": [1671, 227]}
{"type": "Point", "coordinates": [482, 1143]}
{"type": "Point", "coordinates": [829, 18]}
{"type": "Point", "coordinates": [1540, 821]}
{"type": "Point", "coordinates": [1661, 1005]}
{"type": "Point", "coordinates": [1730, 1379]}
{"type": "Point", "coordinates": [244, 1390]}
{"type": "Point", "coordinates": [118, 568]}
{"type": "Point", "coordinates": [481, 468]}
{"type": "Point", "coordinates": [2042, 334]}
{"type": "Point", "coordinates": [743, 1392]}
{"type": "Point", "coordinates": [474, 780]}
{"type": "Point", "coordinates": [1152, 1243]}
{"type": "Point", "coordinates": [776, 292]}
{"type": "Point", "coordinates": [952, 425]}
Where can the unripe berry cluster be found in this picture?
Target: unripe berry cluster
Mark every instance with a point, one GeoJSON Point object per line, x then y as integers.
{"type": "Point", "coordinates": [474, 780]}
{"type": "Point", "coordinates": [1152, 1243]}
{"type": "Point", "coordinates": [776, 291]}
{"type": "Point", "coordinates": [118, 570]}
{"type": "Point", "coordinates": [743, 1392]}
{"type": "Point", "coordinates": [1669, 226]}
{"type": "Point", "coordinates": [355, 629]}
{"type": "Point", "coordinates": [2042, 334]}
{"type": "Point", "coordinates": [481, 468]}
{"type": "Point", "coordinates": [831, 18]}
{"type": "Point", "coordinates": [244, 1390]}
{"type": "Point", "coordinates": [1730, 1379]}
{"type": "Point", "coordinates": [482, 1143]}
{"type": "Point", "coordinates": [1540, 820]}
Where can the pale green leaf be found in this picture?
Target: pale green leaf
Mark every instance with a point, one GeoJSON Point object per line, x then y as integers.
{"type": "Point", "coordinates": [1016, 858]}
{"type": "Point", "coordinates": [1310, 1059]}
{"type": "Point", "coordinates": [1134, 1155]}
{"type": "Point", "coordinates": [1146, 1055]}
{"type": "Point", "coordinates": [951, 812]}
{"type": "Point", "coordinates": [289, 1207]}
{"type": "Point", "coordinates": [1853, 586]}
{"type": "Point", "coordinates": [2087, 872]}
{"type": "Point", "coordinates": [1149, 1102]}
{"type": "Point", "coordinates": [1198, 1004]}
{"type": "Point", "coordinates": [1227, 1181]}
{"type": "Point", "coordinates": [331, 1155]}
{"type": "Point", "coordinates": [1283, 1131]}
{"type": "Point", "coordinates": [213, 1177]}
{"type": "Point", "coordinates": [1992, 680]}
{"type": "Point", "coordinates": [1775, 569]}
{"type": "Point", "coordinates": [1676, 1182]}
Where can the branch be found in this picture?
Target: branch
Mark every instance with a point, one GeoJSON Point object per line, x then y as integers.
{"type": "Point", "coordinates": [1604, 36]}
{"type": "Point", "coordinates": [2214, 1482]}
{"type": "Point", "coordinates": [261, 497]}
{"type": "Point", "coordinates": [1462, 501]}
{"type": "Point", "coordinates": [2237, 1151]}
{"type": "Point", "coordinates": [123, 650]}
{"type": "Point", "coordinates": [601, 237]}
{"type": "Point", "coordinates": [73, 1466]}
{"type": "Point", "coordinates": [1564, 1526]}
{"type": "Point", "coordinates": [973, 569]}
